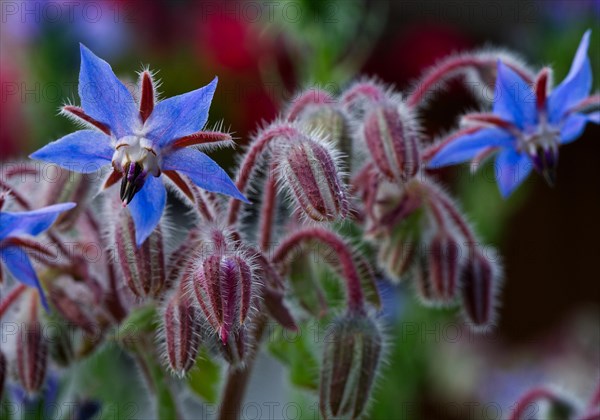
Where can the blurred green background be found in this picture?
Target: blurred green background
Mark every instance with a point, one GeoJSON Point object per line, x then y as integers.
{"type": "Point", "coordinates": [264, 53]}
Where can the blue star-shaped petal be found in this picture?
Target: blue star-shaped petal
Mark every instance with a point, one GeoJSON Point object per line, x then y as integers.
{"type": "Point", "coordinates": [143, 140]}
{"type": "Point", "coordinates": [13, 226]}
{"type": "Point", "coordinates": [526, 126]}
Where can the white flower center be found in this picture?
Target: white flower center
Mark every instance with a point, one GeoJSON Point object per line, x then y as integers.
{"type": "Point", "coordinates": [136, 149]}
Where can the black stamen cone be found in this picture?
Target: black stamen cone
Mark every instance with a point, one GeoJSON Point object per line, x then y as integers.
{"type": "Point", "coordinates": [132, 181]}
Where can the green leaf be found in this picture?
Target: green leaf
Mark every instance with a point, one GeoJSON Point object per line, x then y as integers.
{"type": "Point", "coordinates": [306, 287]}
{"type": "Point", "coordinates": [295, 351]}
{"type": "Point", "coordinates": [140, 321]}
{"type": "Point", "coordinates": [204, 378]}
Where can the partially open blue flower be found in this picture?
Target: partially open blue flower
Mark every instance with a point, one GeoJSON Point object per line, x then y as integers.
{"type": "Point", "coordinates": [143, 140]}
{"type": "Point", "coordinates": [526, 126]}
{"type": "Point", "coordinates": [13, 226]}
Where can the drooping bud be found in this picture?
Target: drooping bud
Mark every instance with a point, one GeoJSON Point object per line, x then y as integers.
{"type": "Point", "coordinates": [396, 255]}
{"type": "Point", "coordinates": [143, 268]}
{"type": "Point", "coordinates": [32, 351]}
{"type": "Point", "coordinates": [444, 267]}
{"type": "Point", "coordinates": [182, 328]}
{"type": "Point", "coordinates": [478, 288]}
{"type": "Point", "coordinates": [332, 120]}
{"type": "Point", "coordinates": [310, 171]}
{"type": "Point", "coordinates": [223, 286]}
{"type": "Point", "coordinates": [350, 361]}
{"type": "Point", "coordinates": [75, 303]}
{"type": "Point", "coordinates": [392, 141]}
{"type": "Point", "coordinates": [3, 371]}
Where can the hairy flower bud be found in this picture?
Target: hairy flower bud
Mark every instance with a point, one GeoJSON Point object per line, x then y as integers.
{"type": "Point", "coordinates": [331, 120]}
{"type": "Point", "coordinates": [143, 268]}
{"type": "Point", "coordinates": [223, 288]}
{"type": "Point", "coordinates": [2, 373]}
{"type": "Point", "coordinates": [310, 171]}
{"type": "Point", "coordinates": [396, 255]}
{"type": "Point", "coordinates": [444, 266]}
{"type": "Point", "coordinates": [75, 303]}
{"type": "Point", "coordinates": [182, 329]}
{"type": "Point", "coordinates": [392, 142]}
{"type": "Point", "coordinates": [478, 288]}
{"type": "Point", "coordinates": [350, 361]}
{"type": "Point", "coordinates": [32, 353]}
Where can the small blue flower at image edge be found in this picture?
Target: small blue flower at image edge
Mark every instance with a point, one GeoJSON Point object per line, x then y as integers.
{"type": "Point", "coordinates": [17, 225]}
{"type": "Point", "coordinates": [527, 125]}
{"type": "Point", "coordinates": [141, 139]}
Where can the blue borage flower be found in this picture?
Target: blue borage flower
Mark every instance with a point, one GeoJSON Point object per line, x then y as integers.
{"type": "Point", "coordinates": [526, 126]}
{"type": "Point", "coordinates": [14, 228]}
{"type": "Point", "coordinates": [143, 140]}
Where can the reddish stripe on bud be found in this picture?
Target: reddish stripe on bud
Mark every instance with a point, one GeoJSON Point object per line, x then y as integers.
{"type": "Point", "coordinates": [444, 254]}
{"type": "Point", "coordinates": [143, 268]}
{"type": "Point", "coordinates": [72, 311]}
{"type": "Point", "coordinates": [478, 291]}
{"type": "Point", "coordinates": [80, 113]}
{"type": "Point", "coordinates": [182, 329]}
{"type": "Point", "coordinates": [32, 351]}
{"type": "Point", "coordinates": [391, 142]}
{"type": "Point", "coordinates": [350, 361]}
{"type": "Point", "coordinates": [223, 289]}
{"type": "Point", "coordinates": [311, 174]}
{"type": "Point", "coordinates": [147, 97]}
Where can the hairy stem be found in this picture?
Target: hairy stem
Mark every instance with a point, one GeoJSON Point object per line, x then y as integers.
{"type": "Point", "coordinates": [355, 295]}
{"type": "Point", "coordinates": [450, 68]}
{"type": "Point", "coordinates": [251, 160]}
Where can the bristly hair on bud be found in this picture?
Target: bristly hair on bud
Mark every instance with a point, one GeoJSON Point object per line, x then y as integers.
{"type": "Point", "coordinates": [310, 169]}
{"type": "Point", "coordinates": [32, 349]}
{"type": "Point", "coordinates": [181, 331]}
{"type": "Point", "coordinates": [445, 263]}
{"type": "Point", "coordinates": [351, 358]}
{"type": "Point", "coordinates": [224, 282]}
{"type": "Point", "coordinates": [480, 282]}
{"type": "Point", "coordinates": [391, 135]}
{"type": "Point", "coordinates": [142, 268]}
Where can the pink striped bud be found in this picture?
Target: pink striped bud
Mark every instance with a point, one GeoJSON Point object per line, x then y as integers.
{"type": "Point", "coordinates": [478, 291]}
{"type": "Point", "coordinates": [311, 173]}
{"type": "Point", "coordinates": [444, 265]}
{"type": "Point", "coordinates": [396, 255]}
{"type": "Point", "coordinates": [223, 286]}
{"type": "Point", "coordinates": [75, 303]}
{"type": "Point", "coordinates": [392, 141]}
{"type": "Point", "coordinates": [182, 328]}
{"type": "Point", "coordinates": [3, 371]}
{"type": "Point", "coordinates": [143, 268]}
{"type": "Point", "coordinates": [32, 352]}
{"type": "Point", "coordinates": [350, 361]}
